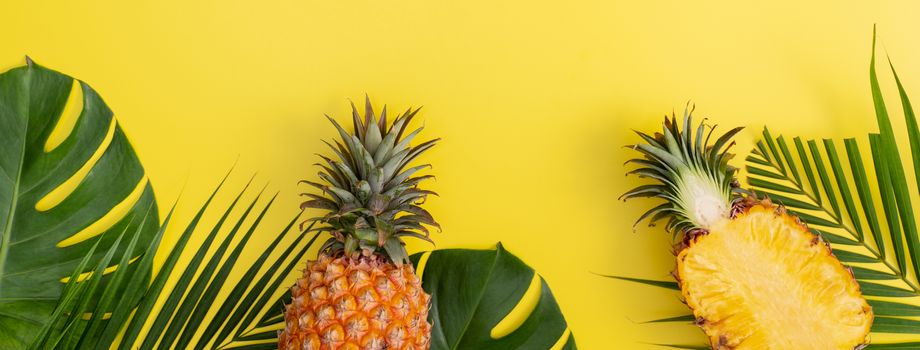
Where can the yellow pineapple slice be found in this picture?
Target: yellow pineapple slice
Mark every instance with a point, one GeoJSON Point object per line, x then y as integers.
{"type": "Point", "coordinates": [763, 281]}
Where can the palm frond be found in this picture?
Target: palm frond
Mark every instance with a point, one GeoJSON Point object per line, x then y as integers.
{"type": "Point", "coordinates": [191, 315]}
{"type": "Point", "coordinates": [864, 209]}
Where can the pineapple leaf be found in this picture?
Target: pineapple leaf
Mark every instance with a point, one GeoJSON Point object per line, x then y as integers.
{"type": "Point", "coordinates": [372, 184]}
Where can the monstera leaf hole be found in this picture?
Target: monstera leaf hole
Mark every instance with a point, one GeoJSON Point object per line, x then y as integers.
{"type": "Point", "coordinates": [72, 110]}
{"type": "Point", "coordinates": [519, 313]}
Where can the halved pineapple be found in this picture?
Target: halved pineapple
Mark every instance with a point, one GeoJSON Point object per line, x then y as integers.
{"type": "Point", "coordinates": [763, 281]}
{"type": "Point", "coordinates": [754, 276]}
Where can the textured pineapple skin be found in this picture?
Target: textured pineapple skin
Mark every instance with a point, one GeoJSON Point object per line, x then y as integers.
{"type": "Point", "coordinates": [365, 303]}
{"type": "Point", "coordinates": [762, 280]}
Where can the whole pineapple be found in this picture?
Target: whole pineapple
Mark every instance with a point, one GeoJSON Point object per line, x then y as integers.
{"type": "Point", "coordinates": [362, 292]}
{"type": "Point", "coordinates": [754, 275]}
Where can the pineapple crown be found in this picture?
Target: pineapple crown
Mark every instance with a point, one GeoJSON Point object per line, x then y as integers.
{"type": "Point", "coordinates": [369, 192]}
{"type": "Point", "coordinates": [689, 173]}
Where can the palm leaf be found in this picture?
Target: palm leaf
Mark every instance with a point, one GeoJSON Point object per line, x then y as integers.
{"type": "Point", "coordinates": [69, 181]}
{"type": "Point", "coordinates": [864, 209]}
{"type": "Point", "coordinates": [234, 318]}
{"type": "Point", "coordinates": [190, 300]}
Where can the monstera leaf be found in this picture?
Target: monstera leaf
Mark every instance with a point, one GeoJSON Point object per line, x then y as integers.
{"type": "Point", "coordinates": [68, 176]}
{"type": "Point", "coordinates": [472, 293]}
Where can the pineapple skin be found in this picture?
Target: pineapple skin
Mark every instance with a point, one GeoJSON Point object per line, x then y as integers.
{"type": "Point", "coordinates": [365, 303]}
{"type": "Point", "coordinates": [762, 280]}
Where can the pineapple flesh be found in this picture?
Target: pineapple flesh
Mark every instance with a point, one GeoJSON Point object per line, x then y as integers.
{"type": "Point", "coordinates": [362, 293]}
{"type": "Point", "coordinates": [754, 275]}
{"type": "Point", "coordinates": [763, 281]}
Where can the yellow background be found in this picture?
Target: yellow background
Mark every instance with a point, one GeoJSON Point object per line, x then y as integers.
{"type": "Point", "coordinates": [533, 99]}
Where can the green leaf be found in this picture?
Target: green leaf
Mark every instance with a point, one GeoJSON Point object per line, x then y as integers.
{"type": "Point", "coordinates": [898, 346]}
{"type": "Point", "coordinates": [183, 315]}
{"type": "Point", "coordinates": [151, 295]}
{"type": "Point", "coordinates": [865, 194]}
{"type": "Point", "coordinates": [66, 304]}
{"type": "Point", "coordinates": [110, 293]}
{"type": "Point", "coordinates": [99, 170]}
{"type": "Point", "coordinates": [888, 308]}
{"type": "Point", "coordinates": [807, 169]}
{"type": "Point", "coordinates": [881, 290]}
{"type": "Point", "coordinates": [895, 325]}
{"type": "Point", "coordinates": [655, 283]}
{"type": "Point", "coordinates": [824, 177]}
{"type": "Point", "coordinates": [847, 197]}
{"type": "Point", "coordinates": [681, 318]}
{"type": "Point", "coordinates": [869, 274]}
{"type": "Point", "coordinates": [888, 203]}
{"type": "Point", "coordinates": [199, 293]}
{"type": "Point", "coordinates": [889, 147]}
{"type": "Point", "coordinates": [851, 257]}
{"type": "Point", "coordinates": [473, 290]}
{"type": "Point", "coordinates": [171, 304]}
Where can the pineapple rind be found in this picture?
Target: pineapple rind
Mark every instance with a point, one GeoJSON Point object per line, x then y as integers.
{"type": "Point", "coordinates": [763, 281]}
{"type": "Point", "coordinates": [363, 303]}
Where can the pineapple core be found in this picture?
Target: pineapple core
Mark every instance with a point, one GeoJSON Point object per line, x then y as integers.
{"type": "Point", "coordinates": [703, 199]}
{"type": "Point", "coordinates": [763, 281]}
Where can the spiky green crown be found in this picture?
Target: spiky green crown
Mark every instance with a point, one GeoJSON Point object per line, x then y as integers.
{"type": "Point", "coordinates": [370, 193]}
{"type": "Point", "coordinates": [690, 174]}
